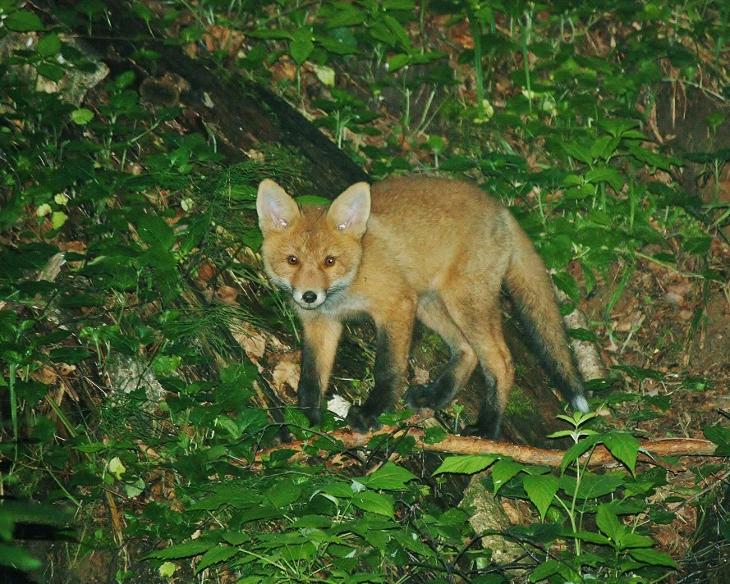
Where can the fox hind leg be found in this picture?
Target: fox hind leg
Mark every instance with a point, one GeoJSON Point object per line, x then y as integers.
{"type": "Point", "coordinates": [480, 320]}
{"type": "Point", "coordinates": [439, 393]}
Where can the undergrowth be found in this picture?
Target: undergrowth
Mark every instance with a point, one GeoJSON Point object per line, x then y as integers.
{"type": "Point", "coordinates": [129, 284]}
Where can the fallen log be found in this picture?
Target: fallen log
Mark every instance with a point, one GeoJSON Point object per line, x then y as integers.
{"type": "Point", "coordinates": [649, 450]}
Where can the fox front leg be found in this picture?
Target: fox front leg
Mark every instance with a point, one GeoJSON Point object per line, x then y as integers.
{"type": "Point", "coordinates": [321, 336]}
{"type": "Point", "coordinates": [391, 362]}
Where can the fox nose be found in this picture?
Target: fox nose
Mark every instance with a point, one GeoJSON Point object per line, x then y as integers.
{"type": "Point", "coordinates": [309, 297]}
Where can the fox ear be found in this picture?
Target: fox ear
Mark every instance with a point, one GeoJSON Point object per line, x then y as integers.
{"type": "Point", "coordinates": [351, 210]}
{"type": "Point", "coordinates": [276, 209]}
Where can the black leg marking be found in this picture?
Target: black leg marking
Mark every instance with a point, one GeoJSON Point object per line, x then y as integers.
{"type": "Point", "coordinates": [489, 420]}
{"type": "Point", "coordinates": [382, 397]}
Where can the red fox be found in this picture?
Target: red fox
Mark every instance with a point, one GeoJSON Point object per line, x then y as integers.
{"type": "Point", "coordinates": [437, 250]}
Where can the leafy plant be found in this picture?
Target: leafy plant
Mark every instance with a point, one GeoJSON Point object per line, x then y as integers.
{"type": "Point", "coordinates": [568, 504]}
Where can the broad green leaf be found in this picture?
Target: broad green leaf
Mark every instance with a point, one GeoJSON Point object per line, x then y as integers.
{"type": "Point", "coordinates": [23, 21]}
{"type": "Point", "coordinates": [70, 355]}
{"type": "Point", "coordinates": [624, 447]}
{"type": "Point", "coordinates": [652, 557]}
{"type": "Point", "coordinates": [216, 555]}
{"type": "Point", "coordinates": [634, 540]}
{"type": "Point", "coordinates": [503, 471]}
{"type": "Point", "coordinates": [82, 116]}
{"type": "Point", "coordinates": [608, 522]}
{"type": "Point", "coordinates": [604, 148]}
{"type": "Point", "coordinates": [399, 32]}
{"type": "Point", "coordinates": [541, 490]}
{"type": "Point", "coordinates": [466, 464]}
{"type": "Point", "coordinates": [719, 436]}
{"type": "Point", "coordinates": [155, 231]}
{"type": "Point", "coordinates": [578, 152]}
{"type": "Point", "coordinates": [373, 502]}
{"type": "Point", "coordinates": [302, 46]}
{"type": "Point", "coordinates": [576, 451]}
{"type": "Point", "coordinates": [606, 174]}
{"type": "Point", "coordinates": [17, 557]}
{"type": "Point", "coordinates": [51, 71]}
{"type": "Point", "coordinates": [347, 15]}
{"type": "Point", "coordinates": [283, 493]}
{"type": "Point", "coordinates": [545, 570]}
{"type": "Point", "coordinates": [234, 495]}
{"type": "Point", "coordinates": [48, 46]}
{"type": "Point", "coordinates": [183, 550]}
{"type": "Point", "coordinates": [389, 477]}
{"type": "Point", "coordinates": [653, 159]}
{"type": "Point", "coordinates": [398, 62]}
{"type": "Point", "coordinates": [312, 522]}
{"type": "Point", "coordinates": [592, 485]}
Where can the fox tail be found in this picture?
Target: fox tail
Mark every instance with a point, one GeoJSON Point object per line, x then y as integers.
{"type": "Point", "coordinates": [531, 290]}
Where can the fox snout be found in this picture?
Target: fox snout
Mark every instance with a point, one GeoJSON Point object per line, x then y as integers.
{"type": "Point", "coordinates": [309, 299]}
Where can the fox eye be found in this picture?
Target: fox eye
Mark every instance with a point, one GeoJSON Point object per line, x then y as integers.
{"type": "Point", "coordinates": [329, 261]}
{"type": "Point", "coordinates": [292, 260]}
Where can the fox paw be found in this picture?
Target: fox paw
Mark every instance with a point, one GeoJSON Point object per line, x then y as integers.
{"type": "Point", "coordinates": [432, 395]}
{"type": "Point", "coordinates": [477, 431]}
{"type": "Point", "coordinates": [361, 421]}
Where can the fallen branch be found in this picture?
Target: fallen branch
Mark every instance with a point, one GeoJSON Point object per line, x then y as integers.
{"type": "Point", "coordinates": [469, 445]}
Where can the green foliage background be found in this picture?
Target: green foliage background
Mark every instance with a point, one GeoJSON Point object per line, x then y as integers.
{"type": "Point", "coordinates": [119, 233]}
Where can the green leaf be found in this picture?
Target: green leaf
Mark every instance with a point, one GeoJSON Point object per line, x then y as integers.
{"type": "Point", "coordinates": [466, 464]}
{"type": "Point", "coordinates": [48, 46]}
{"type": "Point", "coordinates": [23, 21]}
{"type": "Point", "coordinates": [214, 556]}
{"type": "Point", "coordinates": [283, 494]}
{"type": "Point", "coordinates": [398, 62]}
{"type": "Point", "coordinates": [624, 447]}
{"type": "Point", "coordinates": [719, 436]}
{"type": "Point", "coordinates": [578, 152]}
{"type": "Point", "coordinates": [609, 175]}
{"type": "Point", "coordinates": [634, 540]}
{"type": "Point", "coordinates": [183, 550]}
{"type": "Point", "coordinates": [18, 558]}
{"type": "Point", "coordinates": [592, 485]}
{"type": "Point", "coordinates": [434, 435]}
{"type": "Point", "coordinates": [51, 71]}
{"type": "Point", "coordinates": [389, 477]}
{"type": "Point", "coordinates": [156, 232]}
{"type": "Point", "coordinates": [698, 245]}
{"type": "Point", "coordinates": [399, 32]}
{"type": "Point", "coordinates": [347, 15]}
{"type": "Point", "coordinates": [82, 116]}
{"type": "Point", "coordinates": [541, 490]}
{"type": "Point", "coordinates": [373, 502]}
{"type": "Point", "coordinates": [652, 557]}
{"type": "Point", "coordinates": [545, 570]}
{"type": "Point", "coordinates": [301, 46]}
{"type": "Point", "coordinates": [609, 523]}
{"type": "Point", "coordinates": [503, 471]}
{"type": "Point", "coordinates": [653, 159]}
{"type": "Point", "coordinates": [70, 355]}
{"type": "Point", "coordinates": [234, 495]}
{"type": "Point", "coordinates": [577, 450]}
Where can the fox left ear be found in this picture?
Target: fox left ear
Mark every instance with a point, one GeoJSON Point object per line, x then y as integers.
{"type": "Point", "coordinates": [276, 209]}
{"type": "Point", "coordinates": [351, 210]}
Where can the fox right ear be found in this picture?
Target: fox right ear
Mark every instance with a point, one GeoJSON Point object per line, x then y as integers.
{"type": "Point", "coordinates": [275, 208]}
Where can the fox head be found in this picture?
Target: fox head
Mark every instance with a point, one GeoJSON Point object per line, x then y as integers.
{"type": "Point", "coordinates": [312, 252]}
